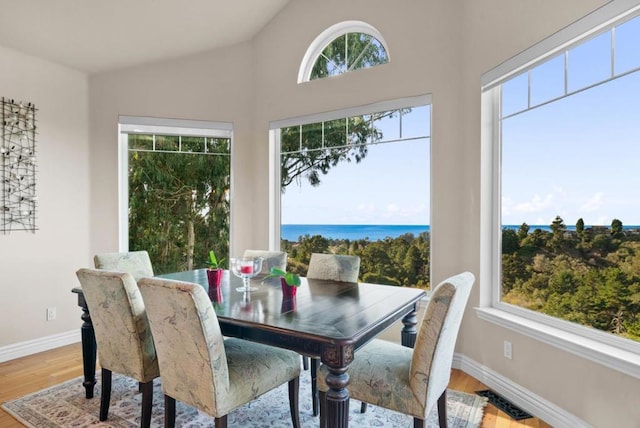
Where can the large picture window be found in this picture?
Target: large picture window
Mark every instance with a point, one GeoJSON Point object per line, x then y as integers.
{"type": "Point", "coordinates": [357, 183]}
{"type": "Point", "coordinates": [564, 205]}
{"type": "Point", "coordinates": [177, 193]}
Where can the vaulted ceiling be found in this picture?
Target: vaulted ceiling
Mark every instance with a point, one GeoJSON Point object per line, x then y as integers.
{"type": "Point", "coordinates": [101, 35]}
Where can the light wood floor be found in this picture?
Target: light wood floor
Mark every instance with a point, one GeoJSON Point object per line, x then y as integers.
{"type": "Point", "coordinates": [29, 374]}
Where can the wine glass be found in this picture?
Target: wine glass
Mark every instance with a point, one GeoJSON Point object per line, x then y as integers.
{"type": "Point", "coordinates": [246, 268]}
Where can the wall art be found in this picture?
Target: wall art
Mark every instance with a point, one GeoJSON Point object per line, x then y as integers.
{"type": "Point", "coordinates": [18, 166]}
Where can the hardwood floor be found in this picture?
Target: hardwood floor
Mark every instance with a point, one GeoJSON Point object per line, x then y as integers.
{"type": "Point", "coordinates": [29, 374]}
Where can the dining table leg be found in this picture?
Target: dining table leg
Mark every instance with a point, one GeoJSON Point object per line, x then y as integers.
{"type": "Point", "coordinates": [337, 360]}
{"type": "Point", "coordinates": [89, 347]}
{"type": "Point", "coordinates": [409, 331]}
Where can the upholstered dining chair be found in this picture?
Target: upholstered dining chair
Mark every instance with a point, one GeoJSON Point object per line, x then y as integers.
{"type": "Point", "coordinates": [123, 336]}
{"type": "Point", "coordinates": [407, 380]}
{"type": "Point", "coordinates": [199, 367]}
{"type": "Point", "coordinates": [137, 263]}
{"type": "Point", "coordinates": [270, 259]}
{"type": "Point", "coordinates": [334, 267]}
{"type": "Point", "coordinates": [331, 267]}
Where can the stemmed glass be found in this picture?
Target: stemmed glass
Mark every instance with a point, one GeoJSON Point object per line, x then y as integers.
{"type": "Point", "coordinates": [246, 268]}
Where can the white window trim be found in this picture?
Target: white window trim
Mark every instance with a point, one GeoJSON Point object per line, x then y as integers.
{"type": "Point", "coordinates": [274, 148]}
{"type": "Point", "coordinates": [275, 203]}
{"type": "Point", "coordinates": [605, 349]}
{"type": "Point", "coordinates": [154, 125]}
{"type": "Point", "coordinates": [329, 35]}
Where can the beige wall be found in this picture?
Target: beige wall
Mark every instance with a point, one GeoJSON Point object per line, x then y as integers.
{"type": "Point", "coordinates": [38, 270]}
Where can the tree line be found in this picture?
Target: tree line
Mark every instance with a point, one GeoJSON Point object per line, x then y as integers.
{"type": "Point", "coordinates": [590, 276]}
{"type": "Point", "coordinates": [401, 261]}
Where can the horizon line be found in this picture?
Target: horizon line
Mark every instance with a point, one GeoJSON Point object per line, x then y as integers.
{"type": "Point", "coordinates": [421, 225]}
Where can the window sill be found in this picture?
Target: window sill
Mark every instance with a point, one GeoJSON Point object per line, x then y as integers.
{"type": "Point", "coordinates": [606, 355]}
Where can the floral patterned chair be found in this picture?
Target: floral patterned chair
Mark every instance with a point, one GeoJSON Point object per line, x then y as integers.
{"type": "Point", "coordinates": [125, 343]}
{"type": "Point", "coordinates": [407, 380]}
{"type": "Point", "coordinates": [270, 259]}
{"type": "Point", "coordinates": [331, 267]}
{"type": "Point", "coordinates": [334, 267]}
{"type": "Point", "coordinates": [137, 263]}
{"type": "Point", "coordinates": [199, 367]}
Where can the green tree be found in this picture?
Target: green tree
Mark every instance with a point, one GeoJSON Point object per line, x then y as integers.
{"type": "Point", "coordinates": [523, 232]}
{"type": "Point", "coordinates": [349, 52]}
{"type": "Point", "coordinates": [535, 240]}
{"type": "Point", "coordinates": [510, 242]}
{"type": "Point", "coordinates": [178, 202]}
{"type": "Point", "coordinates": [413, 264]}
{"type": "Point", "coordinates": [616, 228]}
{"type": "Point", "coordinates": [311, 244]}
{"type": "Point", "coordinates": [310, 151]}
{"type": "Point", "coordinates": [558, 228]}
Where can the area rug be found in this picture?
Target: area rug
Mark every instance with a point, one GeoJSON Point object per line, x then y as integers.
{"type": "Point", "coordinates": [65, 405]}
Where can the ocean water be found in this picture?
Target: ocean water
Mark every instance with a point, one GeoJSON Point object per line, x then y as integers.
{"type": "Point", "coordinates": [375, 232]}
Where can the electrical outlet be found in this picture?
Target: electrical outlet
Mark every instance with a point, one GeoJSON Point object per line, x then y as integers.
{"type": "Point", "coordinates": [508, 349]}
{"type": "Point", "coordinates": [51, 313]}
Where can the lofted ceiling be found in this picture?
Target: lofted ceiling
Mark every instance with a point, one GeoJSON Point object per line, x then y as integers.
{"type": "Point", "coordinates": [100, 35]}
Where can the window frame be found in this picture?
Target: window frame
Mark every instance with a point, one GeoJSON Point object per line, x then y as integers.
{"type": "Point", "coordinates": [598, 346]}
{"type": "Point", "coordinates": [274, 148]}
{"type": "Point", "coordinates": [316, 47]}
{"type": "Point", "coordinates": [161, 126]}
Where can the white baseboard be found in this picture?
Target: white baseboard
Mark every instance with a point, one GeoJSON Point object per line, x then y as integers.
{"type": "Point", "coordinates": [41, 344]}
{"type": "Point", "coordinates": [521, 397]}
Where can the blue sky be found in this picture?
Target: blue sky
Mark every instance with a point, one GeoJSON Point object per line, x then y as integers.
{"type": "Point", "coordinates": [382, 189]}
{"type": "Point", "coordinates": [577, 157]}
{"type": "Point", "coordinates": [576, 165]}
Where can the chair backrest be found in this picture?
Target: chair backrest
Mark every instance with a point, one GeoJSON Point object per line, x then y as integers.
{"type": "Point", "coordinates": [189, 343]}
{"type": "Point", "coordinates": [334, 267]}
{"type": "Point", "coordinates": [270, 259]}
{"type": "Point", "coordinates": [137, 263]}
{"type": "Point", "coordinates": [125, 342]}
{"type": "Point", "coordinates": [436, 340]}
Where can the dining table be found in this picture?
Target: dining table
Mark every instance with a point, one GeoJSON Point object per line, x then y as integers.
{"type": "Point", "coordinates": [329, 320]}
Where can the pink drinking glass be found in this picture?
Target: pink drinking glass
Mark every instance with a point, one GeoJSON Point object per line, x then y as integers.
{"type": "Point", "coordinates": [246, 268]}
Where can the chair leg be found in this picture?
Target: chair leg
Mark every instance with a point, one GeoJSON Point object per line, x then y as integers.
{"type": "Point", "coordinates": [305, 362]}
{"type": "Point", "coordinates": [169, 412]}
{"type": "Point", "coordinates": [323, 409]}
{"type": "Point", "coordinates": [106, 394]}
{"type": "Point", "coordinates": [294, 392]}
{"type": "Point", "coordinates": [418, 423]}
{"type": "Point", "coordinates": [220, 422]}
{"type": "Point", "coordinates": [147, 403]}
{"type": "Point", "coordinates": [314, 385]}
{"type": "Point", "coordinates": [442, 409]}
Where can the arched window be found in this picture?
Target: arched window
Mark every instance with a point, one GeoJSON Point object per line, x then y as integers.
{"type": "Point", "coordinates": [341, 48]}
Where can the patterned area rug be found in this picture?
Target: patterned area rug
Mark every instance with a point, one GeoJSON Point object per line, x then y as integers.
{"type": "Point", "coordinates": [64, 405]}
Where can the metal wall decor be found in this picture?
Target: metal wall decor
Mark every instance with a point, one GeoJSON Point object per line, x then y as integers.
{"type": "Point", "coordinates": [18, 166]}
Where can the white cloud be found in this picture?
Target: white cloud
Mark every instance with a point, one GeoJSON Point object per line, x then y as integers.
{"type": "Point", "coordinates": [536, 204]}
{"type": "Point", "coordinates": [393, 208]}
{"type": "Point", "coordinates": [366, 208]}
{"type": "Point", "coordinates": [593, 203]}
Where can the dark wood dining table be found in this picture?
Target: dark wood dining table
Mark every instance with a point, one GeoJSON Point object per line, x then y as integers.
{"type": "Point", "coordinates": [328, 320]}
